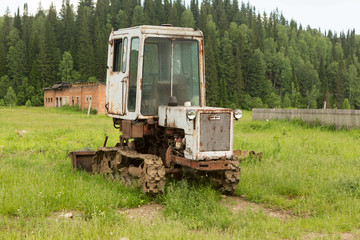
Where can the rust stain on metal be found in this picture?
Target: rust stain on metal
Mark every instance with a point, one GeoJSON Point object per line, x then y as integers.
{"type": "Point", "coordinates": [82, 159]}
{"type": "Point", "coordinates": [213, 165]}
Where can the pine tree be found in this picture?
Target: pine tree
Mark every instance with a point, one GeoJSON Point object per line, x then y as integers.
{"type": "Point", "coordinates": [68, 28]}
{"type": "Point", "coordinates": [138, 17]}
{"type": "Point", "coordinates": [52, 51]}
{"type": "Point", "coordinates": [4, 85]}
{"type": "Point", "coordinates": [17, 63]}
{"type": "Point", "coordinates": [187, 19]}
{"type": "Point", "coordinates": [122, 20]}
{"type": "Point", "coordinates": [10, 97]}
{"type": "Point", "coordinates": [85, 52]}
{"type": "Point", "coordinates": [66, 68]}
{"type": "Point", "coordinates": [211, 74]}
{"type": "Point", "coordinates": [257, 86]}
{"type": "Point", "coordinates": [100, 44]}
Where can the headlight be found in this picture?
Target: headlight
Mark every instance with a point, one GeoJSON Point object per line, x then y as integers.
{"type": "Point", "coordinates": [237, 114]}
{"type": "Point", "coordinates": [191, 114]}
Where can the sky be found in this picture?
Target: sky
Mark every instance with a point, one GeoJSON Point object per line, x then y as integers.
{"type": "Point", "coordinates": [335, 15]}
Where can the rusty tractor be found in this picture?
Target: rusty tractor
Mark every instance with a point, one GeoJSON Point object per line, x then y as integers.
{"type": "Point", "coordinates": [155, 94]}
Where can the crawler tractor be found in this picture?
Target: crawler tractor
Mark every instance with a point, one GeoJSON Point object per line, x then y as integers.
{"type": "Point", "coordinates": [155, 94]}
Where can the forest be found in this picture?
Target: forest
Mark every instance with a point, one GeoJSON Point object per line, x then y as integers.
{"type": "Point", "coordinates": [252, 59]}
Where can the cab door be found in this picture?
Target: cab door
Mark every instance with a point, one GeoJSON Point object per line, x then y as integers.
{"type": "Point", "coordinates": [117, 76]}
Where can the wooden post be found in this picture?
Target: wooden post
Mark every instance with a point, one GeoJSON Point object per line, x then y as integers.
{"type": "Point", "coordinates": [89, 108]}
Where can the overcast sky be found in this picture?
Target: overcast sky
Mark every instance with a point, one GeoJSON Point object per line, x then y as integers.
{"type": "Point", "coordinates": [336, 15]}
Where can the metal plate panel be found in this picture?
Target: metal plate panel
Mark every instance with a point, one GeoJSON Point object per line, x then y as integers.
{"type": "Point", "coordinates": [215, 131]}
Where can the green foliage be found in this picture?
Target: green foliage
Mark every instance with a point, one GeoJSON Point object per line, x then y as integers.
{"type": "Point", "coordinates": [35, 100]}
{"type": "Point", "coordinates": [28, 103]}
{"type": "Point", "coordinates": [256, 102]}
{"type": "Point", "coordinates": [306, 184]}
{"type": "Point", "coordinates": [246, 54]}
{"type": "Point", "coordinates": [187, 19]}
{"type": "Point", "coordinates": [346, 104]}
{"type": "Point", "coordinates": [66, 68]}
{"type": "Point", "coordinates": [4, 85]}
{"type": "Point", "coordinates": [2, 102]}
{"type": "Point", "coordinates": [273, 100]}
{"type": "Point", "coordinates": [286, 102]}
{"type": "Point", "coordinates": [92, 79]}
{"type": "Point", "coordinates": [10, 97]}
{"type": "Point", "coordinates": [258, 85]}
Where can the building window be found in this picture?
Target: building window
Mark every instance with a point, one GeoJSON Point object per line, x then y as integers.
{"type": "Point", "coordinates": [86, 98]}
{"type": "Point", "coordinates": [57, 102]}
{"type": "Point", "coordinates": [77, 100]}
{"type": "Point", "coordinates": [72, 101]}
{"type": "Point", "coordinates": [90, 98]}
{"type": "Point", "coordinates": [51, 99]}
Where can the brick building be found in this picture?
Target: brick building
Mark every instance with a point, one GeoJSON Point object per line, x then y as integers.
{"type": "Point", "coordinates": [73, 94]}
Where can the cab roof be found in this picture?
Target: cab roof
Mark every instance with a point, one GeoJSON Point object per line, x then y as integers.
{"type": "Point", "coordinates": [160, 30]}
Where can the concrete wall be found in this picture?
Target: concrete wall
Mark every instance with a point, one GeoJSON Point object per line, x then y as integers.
{"type": "Point", "coordinates": [339, 118]}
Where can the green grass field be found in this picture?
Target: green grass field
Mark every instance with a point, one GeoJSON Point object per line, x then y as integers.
{"type": "Point", "coordinates": [310, 173]}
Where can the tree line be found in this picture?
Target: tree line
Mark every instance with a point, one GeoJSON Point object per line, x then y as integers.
{"type": "Point", "coordinates": [252, 59]}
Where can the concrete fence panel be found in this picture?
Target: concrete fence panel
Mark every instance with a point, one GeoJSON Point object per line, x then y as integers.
{"type": "Point", "coordinates": [338, 118]}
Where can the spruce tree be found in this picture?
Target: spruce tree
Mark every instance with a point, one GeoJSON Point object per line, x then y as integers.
{"type": "Point", "coordinates": [66, 68]}
{"type": "Point", "coordinates": [85, 52]}
{"type": "Point", "coordinates": [10, 97]}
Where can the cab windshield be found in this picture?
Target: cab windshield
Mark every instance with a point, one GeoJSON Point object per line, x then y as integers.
{"type": "Point", "coordinates": [160, 81]}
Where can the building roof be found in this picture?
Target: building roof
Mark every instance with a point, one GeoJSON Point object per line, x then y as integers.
{"type": "Point", "coordinates": [63, 85]}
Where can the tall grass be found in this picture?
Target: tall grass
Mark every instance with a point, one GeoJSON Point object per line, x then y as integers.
{"type": "Point", "coordinates": [310, 171]}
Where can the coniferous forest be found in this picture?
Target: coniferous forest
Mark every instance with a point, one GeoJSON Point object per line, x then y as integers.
{"type": "Point", "coordinates": [252, 59]}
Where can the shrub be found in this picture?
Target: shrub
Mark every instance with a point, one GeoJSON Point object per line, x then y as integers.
{"type": "Point", "coordinates": [346, 104]}
{"type": "Point", "coordinates": [286, 102]}
{"type": "Point", "coordinates": [257, 103]}
{"type": "Point", "coordinates": [35, 101]}
{"type": "Point", "coordinates": [28, 103]}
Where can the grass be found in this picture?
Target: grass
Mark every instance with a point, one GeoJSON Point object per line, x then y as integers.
{"type": "Point", "coordinates": [310, 171]}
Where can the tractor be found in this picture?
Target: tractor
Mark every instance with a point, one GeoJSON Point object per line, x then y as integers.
{"type": "Point", "coordinates": [155, 94]}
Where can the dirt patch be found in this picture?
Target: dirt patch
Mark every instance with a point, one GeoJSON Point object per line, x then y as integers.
{"type": "Point", "coordinates": [237, 204]}
{"type": "Point", "coordinates": [71, 215]}
{"type": "Point", "coordinates": [145, 213]}
{"type": "Point", "coordinates": [343, 236]}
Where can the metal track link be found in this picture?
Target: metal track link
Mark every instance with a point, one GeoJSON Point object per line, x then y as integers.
{"type": "Point", "coordinates": [152, 174]}
{"type": "Point", "coordinates": [117, 161]}
{"type": "Point", "coordinates": [227, 181]}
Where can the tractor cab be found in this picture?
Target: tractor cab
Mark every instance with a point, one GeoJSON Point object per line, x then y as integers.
{"type": "Point", "coordinates": [150, 66]}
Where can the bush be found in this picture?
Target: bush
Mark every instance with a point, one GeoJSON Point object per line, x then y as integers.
{"type": "Point", "coordinates": [286, 102]}
{"type": "Point", "coordinates": [69, 108]}
{"type": "Point", "coordinates": [35, 101]}
{"type": "Point", "coordinates": [245, 101]}
{"type": "Point", "coordinates": [2, 103]}
{"type": "Point", "coordinates": [28, 103]}
{"type": "Point", "coordinates": [93, 111]}
{"type": "Point", "coordinates": [273, 100]}
{"type": "Point", "coordinates": [346, 104]}
{"type": "Point", "coordinates": [257, 103]}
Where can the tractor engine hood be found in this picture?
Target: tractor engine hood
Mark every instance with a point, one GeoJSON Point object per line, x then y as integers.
{"type": "Point", "coordinates": [208, 130]}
